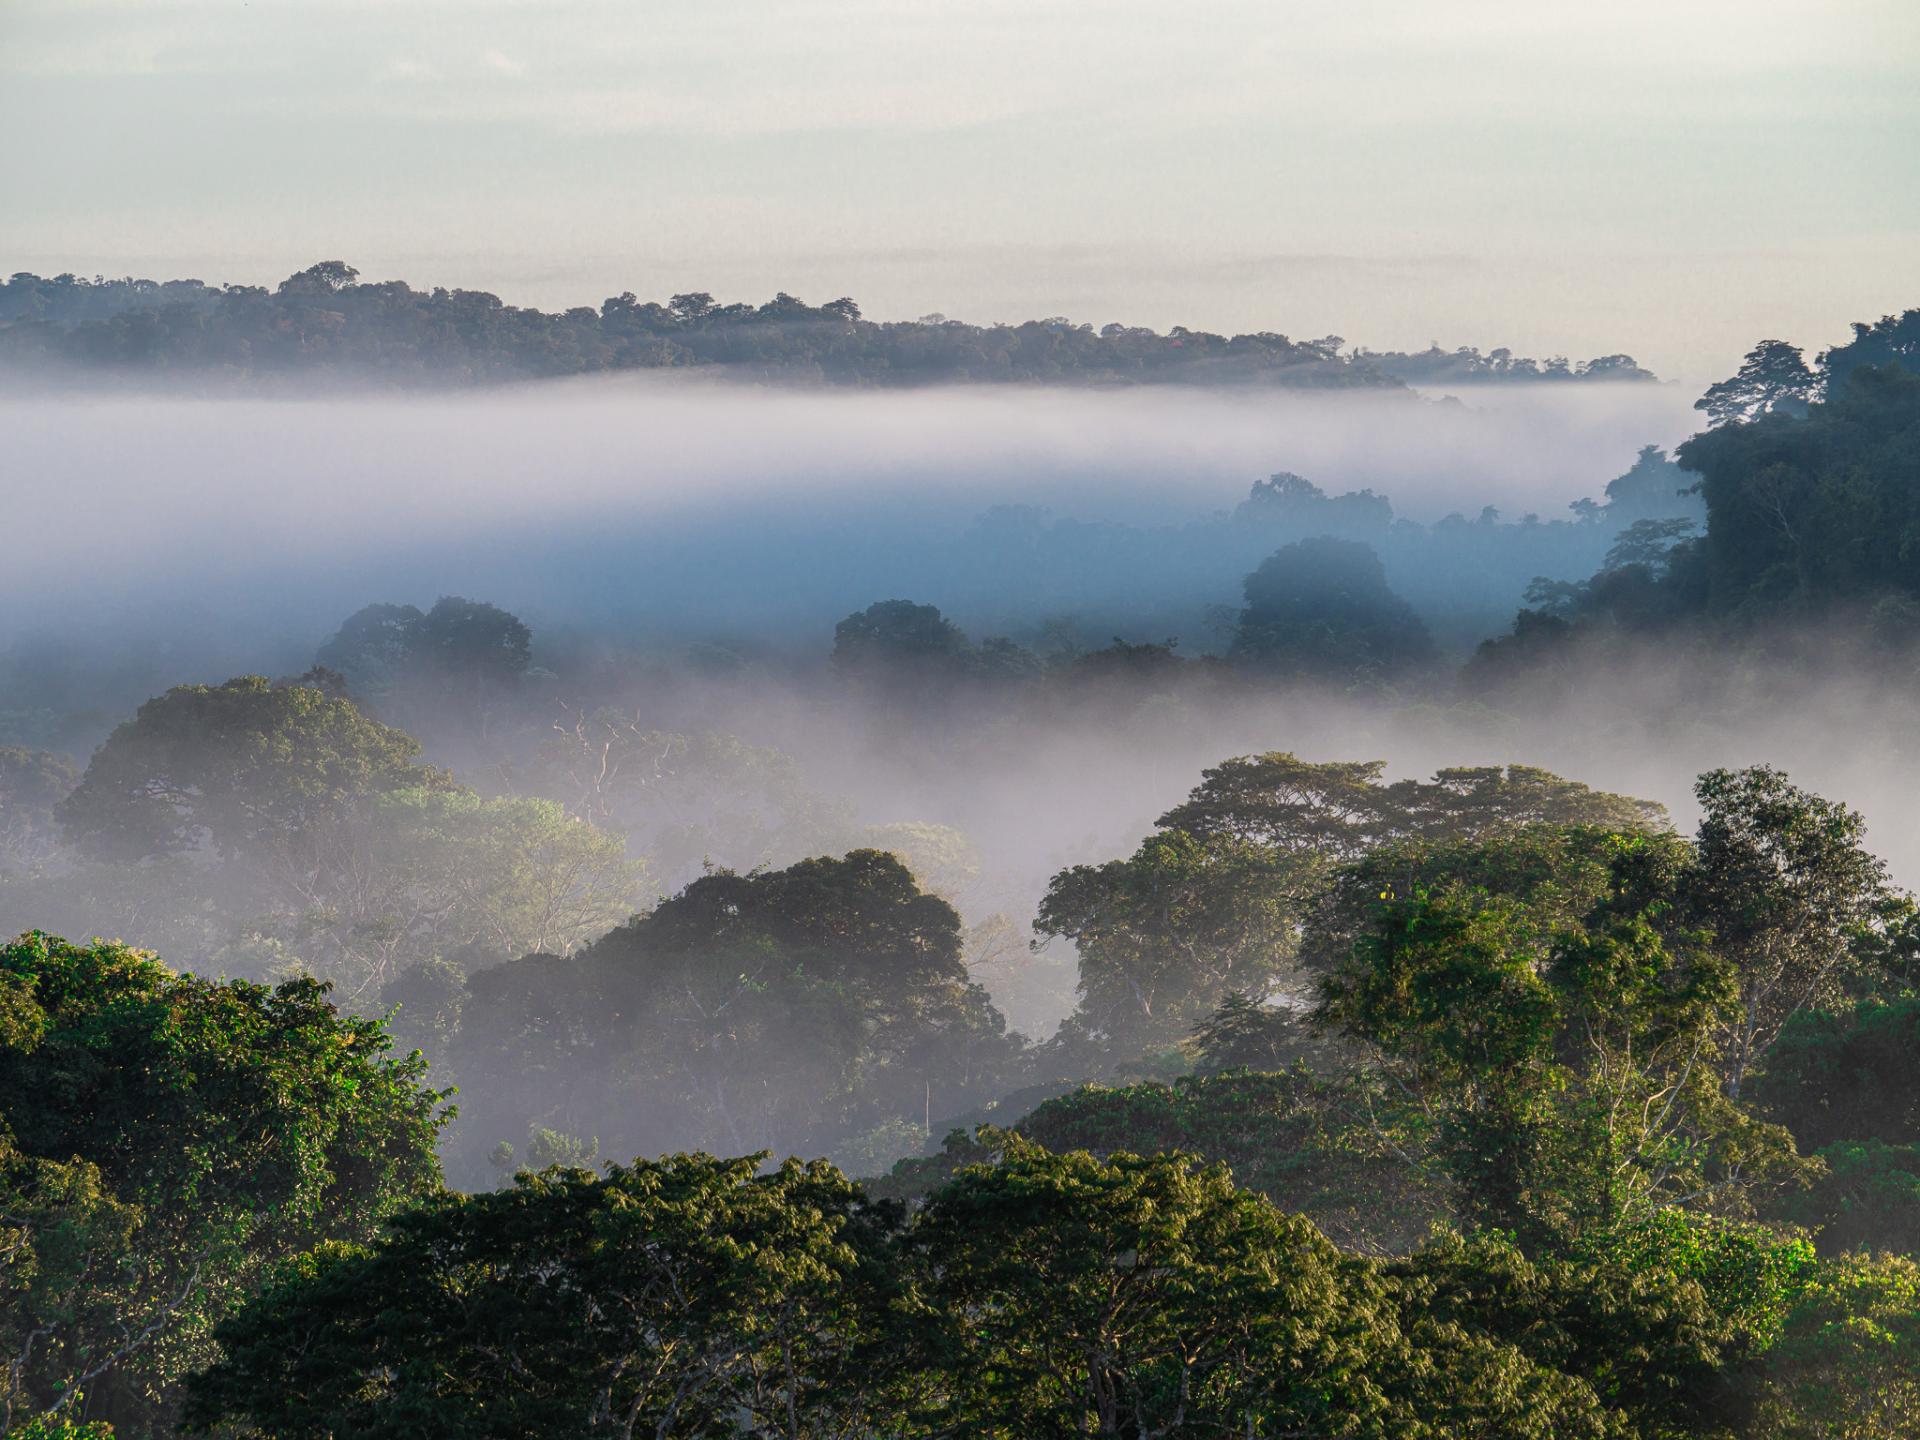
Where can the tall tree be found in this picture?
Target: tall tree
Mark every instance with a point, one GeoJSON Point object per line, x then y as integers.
{"type": "Point", "coordinates": [1568, 1062]}
{"type": "Point", "coordinates": [248, 769]}
{"type": "Point", "coordinates": [779, 1010]}
{"type": "Point", "coordinates": [171, 1140]}
{"type": "Point", "coordinates": [1772, 379]}
{"type": "Point", "coordinates": [1791, 897]}
{"type": "Point", "coordinates": [1165, 934]}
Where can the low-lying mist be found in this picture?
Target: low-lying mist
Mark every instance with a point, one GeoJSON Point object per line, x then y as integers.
{"type": "Point", "coordinates": [683, 551]}
{"type": "Point", "coordinates": [699, 511]}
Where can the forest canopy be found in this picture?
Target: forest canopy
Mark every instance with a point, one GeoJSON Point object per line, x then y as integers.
{"type": "Point", "coordinates": [546, 1034]}
{"type": "Point", "coordinates": [324, 321]}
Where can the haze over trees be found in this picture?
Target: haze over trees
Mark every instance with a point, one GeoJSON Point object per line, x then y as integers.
{"type": "Point", "coordinates": [551, 1033]}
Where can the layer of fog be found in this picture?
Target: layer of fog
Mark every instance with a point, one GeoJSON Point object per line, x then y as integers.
{"type": "Point", "coordinates": [155, 542]}
{"type": "Point", "coordinates": [694, 511]}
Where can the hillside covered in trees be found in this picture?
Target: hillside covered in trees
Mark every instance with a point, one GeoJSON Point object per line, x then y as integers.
{"type": "Point", "coordinates": [324, 322]}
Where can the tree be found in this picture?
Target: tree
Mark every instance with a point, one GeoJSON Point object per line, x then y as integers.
{"type": "Point", "coordinates": [1218, 898]}
{"type": "Point", "coordinates": [287, 815]}
{"type": "Point", "coordinates": [511, 875]}
{"type": "Point", "coordinates": [1317, 812]}
{"type": "Point", "coordinates": [1147, 1296]}
{"type": "Point", "coordinates": [62, 1239]}
{"type": "Point", "coordinates": [782, 1009]}
{"type": "Point", "coordinates": [1866, 1200]}
{"type": "Point", "coordinates": [689, 801]}
{"type": "Point", "coordinates": [1662, 1332]}
{"type": "Point", "coordinates": [1340, 810]}
{"type": "Point", "coordinates": [32, 784]}
{"type": "Point", "coordinates": [1340, 1150]}
{"type": "Point", "coordinates": [1164, 934]}
{"type": "Point", "coordinates": [1892, 340]}
{"type": "Point", "coordinates": [248, 769]}
{"type": "Point", "coordinates": [898, 637]}
{"type": "Point", "coordinates": [1655, 488]}
{"type": "Point", "coordinates": [1650, 543]}
{"type": "Point", "coordinates": [1816, 512]}
{"type": "Point", "coordinates": [374, 647]}
{"type": "Point", "coordinates": [1320, 609]}
{"type": "Point", "coordinates": [1568, 1063]}
{"type": "Point", "coordinates": [681, 1297]}
{"type": "Point", "coordinates": [437, 672]}
{"type": "Point", "coordinates": [171, 1140]}
{"type": "Point", "coordinates": [1138, 1296]}
{"type": "Point", "coordinates": [325, 277]}
{"type": "Point", "coordinates": [1847, 1366]}
{"type": "Point", "coordinates": [1847, 1074]}
{"type": "Point", "coordinates": [1790, 895]}
{"type": "Point", "coordinates": [1773, 379]}
{"type": "Point", "coordinates": [1245, 1034]}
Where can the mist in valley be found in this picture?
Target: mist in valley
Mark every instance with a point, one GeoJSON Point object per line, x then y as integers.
{"type": "Point", "coordinates": [682, 550]}
{"type": "Point", "coordinates": [1224, 747]}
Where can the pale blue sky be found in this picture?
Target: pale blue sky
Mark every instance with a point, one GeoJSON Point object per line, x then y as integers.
{"type": "Point", "coordinates": [1672, 177]}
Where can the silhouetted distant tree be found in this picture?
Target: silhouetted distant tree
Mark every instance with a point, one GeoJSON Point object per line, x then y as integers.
{"type": "Point", "coordinates": [1773, 379]}
{"type": "Point", "coordinates": [1321, 609]}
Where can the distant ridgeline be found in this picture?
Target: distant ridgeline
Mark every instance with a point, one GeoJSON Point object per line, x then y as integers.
{"type": "Point", "coordinates": [322, 321]}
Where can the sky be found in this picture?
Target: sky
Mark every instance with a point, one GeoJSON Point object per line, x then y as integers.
{"type": "Point", "coordinates": [1671, 178]}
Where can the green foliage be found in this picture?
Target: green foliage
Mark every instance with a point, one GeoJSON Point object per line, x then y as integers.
{"type": "Point", "coordinates": [1847, 1365]}
{"type": "Point", "coordinates": [1846, 1075]}
{"type": "Point", "coordinates": [1792, 898]}
{"type": "Point", "coordinates": [681, 1297]}
{"type": "Point", "coordinates": [783, 1009]}
{"type": "Point", "coordinates": [511, 874]}
{"type": "Point", "coordinates": [278, 828]}
{"type": "Point", "coordinates": [1749, 1274]}
{"type": "Point", "coordinates": [1868, 1198]}
{"type": "Point", "coordinates": [1341, 1152]}
{"type": "Point", "coordinates": [1341, 810]}
{"type": "Point", "coordinates": [1569, 1060]}
{"type": "Point", "coordinates": [44, 1427]}
{"type": "Point", "coordinates": [1165, 934]}
{"type": "Point", "coordinates": [1649, 1343]}
{"type": "Point", "coordinates": [1216, 900]}
{"type": "Point", "coordinates": [248, 767]}
{"type": "Point", "coordinates": [171, 1138]}
{"type": "Point", "coordinates": [1149, 1296]}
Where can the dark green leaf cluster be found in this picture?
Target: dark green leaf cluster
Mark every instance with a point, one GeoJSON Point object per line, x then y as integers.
{"type": "Point", "coordinates": [164, 1141]}
{"type": "Point", "coordinates": [1039, 1295]}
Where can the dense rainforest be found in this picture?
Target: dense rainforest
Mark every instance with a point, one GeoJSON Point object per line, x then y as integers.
{"type": "Point", "coordinates": [324, 322]}
{"type": "Point", "coordinates": [417, 1043]}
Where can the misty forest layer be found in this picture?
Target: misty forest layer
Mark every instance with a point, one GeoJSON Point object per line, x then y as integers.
{"type": "Point", "coordinates": [1294, 1031]}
